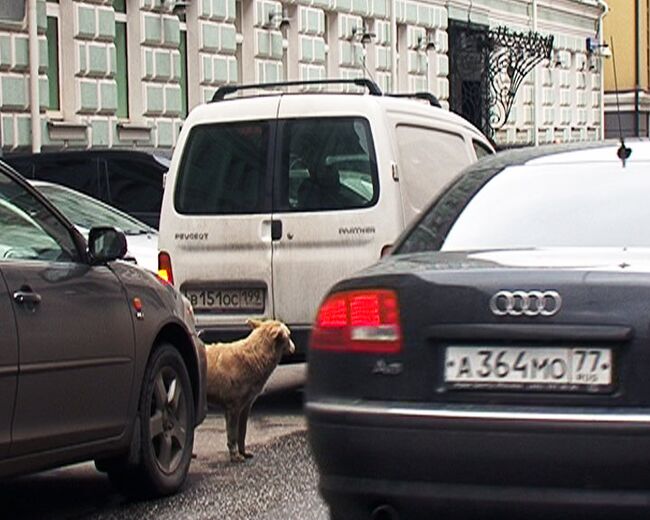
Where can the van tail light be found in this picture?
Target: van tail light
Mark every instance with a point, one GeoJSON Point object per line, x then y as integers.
{"type": "Point", "coordinates": [365, 321]}
{"type": "Point", "coordinates": [165, 267]}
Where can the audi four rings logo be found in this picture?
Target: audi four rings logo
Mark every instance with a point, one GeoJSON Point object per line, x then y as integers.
{"type": "Point", "coordinates": [526, 303]}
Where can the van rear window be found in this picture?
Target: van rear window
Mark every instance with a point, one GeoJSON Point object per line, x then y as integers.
{"type": "Point", "coordinates": [224, 168]}
{"type": "Point", "coordinates": [327, 164]}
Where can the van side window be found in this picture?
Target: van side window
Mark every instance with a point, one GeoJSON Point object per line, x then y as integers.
{"type": "Point", "coordinates": [429, 159]}
{"type": "Point", "coordinates": [223, 170]}
{"type": "Point", "coordinates": [327, 164]}
{"type": "Point", "coordinates": [480, 149]}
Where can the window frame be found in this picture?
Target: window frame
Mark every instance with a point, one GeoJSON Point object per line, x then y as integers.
{"type": "Point", "coordinates": [183, 79]}
{"type": "Point", "coordinates": [265, 206]}
{"type": "Point", "coordinates": [53, 11]}
{"type": "Point", "coordinates": [121, 18]}
{"type": "Point", "coordinates": [281, 186]}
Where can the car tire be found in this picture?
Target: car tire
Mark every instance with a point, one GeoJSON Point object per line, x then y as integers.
{"type": "Point", "coordinates": [166, 432]}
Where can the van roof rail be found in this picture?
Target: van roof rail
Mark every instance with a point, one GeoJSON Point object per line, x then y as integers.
{"type": "Point", "coordinates": [224, 90]}
{"type": "Point", "coordinates": [427, 96]}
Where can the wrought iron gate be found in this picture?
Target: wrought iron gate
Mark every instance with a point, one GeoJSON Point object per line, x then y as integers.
{"type": "Point", "coordinates": [487, 67]}
{"type": "Point", "coordinates": [468, 79]}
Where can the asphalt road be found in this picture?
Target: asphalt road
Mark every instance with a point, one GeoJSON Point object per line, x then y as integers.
{"type": "Point", "coordinates": [279, 483]}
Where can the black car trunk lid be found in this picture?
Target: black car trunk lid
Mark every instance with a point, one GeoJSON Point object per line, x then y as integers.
{"type": "Point", "coordinates": [453, 311]}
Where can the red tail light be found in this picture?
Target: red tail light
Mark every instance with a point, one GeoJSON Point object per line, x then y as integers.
{"type": "Point", "coordinates": [359, 321]}
{"type": "Point", "coordinates": [165, 267]}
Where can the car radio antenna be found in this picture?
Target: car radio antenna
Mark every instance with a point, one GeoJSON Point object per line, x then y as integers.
{"type": "Point", "coordinates": [623, 151]}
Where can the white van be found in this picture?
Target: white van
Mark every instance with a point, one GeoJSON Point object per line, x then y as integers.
{"type": "Point", "coordinates": [270, 199]}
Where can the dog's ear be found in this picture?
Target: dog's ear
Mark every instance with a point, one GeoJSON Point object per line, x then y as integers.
{"type": "Point", "coordinates": [280, 332]}
{"type": "Point", "coordinates": [253, 324]}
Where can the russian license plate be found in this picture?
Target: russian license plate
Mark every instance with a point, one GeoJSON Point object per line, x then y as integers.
{"type": "Point", "coordinates": [561, 369]}
{"type": "Point", "coordinates": [226, 299]}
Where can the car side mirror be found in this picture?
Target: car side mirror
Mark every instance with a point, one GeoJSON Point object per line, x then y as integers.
{"type": "Point", "coordinates": [106, 244]}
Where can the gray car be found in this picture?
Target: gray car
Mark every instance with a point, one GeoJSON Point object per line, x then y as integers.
{"type": "Point", "coordinates": [99, 359]}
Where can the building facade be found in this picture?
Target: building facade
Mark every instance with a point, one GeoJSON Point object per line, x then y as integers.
{"type": "Point", "coordinates": [124, 73]}
{"type": "Point", "coordinates": [628, 39]}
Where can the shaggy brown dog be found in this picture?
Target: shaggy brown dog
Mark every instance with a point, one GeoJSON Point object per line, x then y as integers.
{"type": "Point", "coordinates": [237, 373]}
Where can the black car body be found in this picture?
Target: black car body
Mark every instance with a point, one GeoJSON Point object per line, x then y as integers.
{"type": "Point", "coordinates": [99, 359]}
{"type": "Point", "coordinates": [129, 180]}
{"type": "Point", "coordinates": [499, 358]}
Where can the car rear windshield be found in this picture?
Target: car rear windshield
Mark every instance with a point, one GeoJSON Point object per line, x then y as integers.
{"type": "Point", "coordinates": [223, 169]}
{"type": "Point", "coordinates": [86, 212]}
{"type": "Point", "coordinates": [325, 164]}
{"type": "Point", "coordinates": [560, 205]}
{"type": "Point", "coordinates": [328, 163]}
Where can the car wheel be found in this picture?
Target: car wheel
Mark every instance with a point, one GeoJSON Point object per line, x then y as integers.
{"type": "Point", "coordinates": [166, 417]}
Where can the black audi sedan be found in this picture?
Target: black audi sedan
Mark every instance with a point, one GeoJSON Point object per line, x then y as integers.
{"type": "Point", "coordinates": [99, 359]}
{"type": "Point", "coordinates": [499, 359]}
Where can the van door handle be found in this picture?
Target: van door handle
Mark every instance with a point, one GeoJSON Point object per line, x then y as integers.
{"type": "Point", "coordinates": [27, 297]}
{"type": "Point", "coordinates": [276, 229]}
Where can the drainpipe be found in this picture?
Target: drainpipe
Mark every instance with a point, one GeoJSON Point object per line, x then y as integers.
{"type": "Point", "coordinates": [34, 100]}
{"type": "Point", "coordinates": [601, 41]}
{"type": "Point", "coordinates": [637, 67]}
{"type": "Point", "coordinates": [393, 45]}
{"type": "Point", "coordinates": [537, 90]}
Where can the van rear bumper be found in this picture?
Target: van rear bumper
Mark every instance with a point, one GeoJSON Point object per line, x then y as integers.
{"type": "Point", "coordinates": [223, 334]}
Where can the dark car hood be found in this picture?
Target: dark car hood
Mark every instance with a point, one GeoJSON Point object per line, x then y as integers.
{"type": "Point", "coordinates": [590, 259]}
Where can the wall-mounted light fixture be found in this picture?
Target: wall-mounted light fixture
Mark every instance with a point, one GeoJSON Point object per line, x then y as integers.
{"type": "Point", "coordinates": [361, 35]}
{"type": "Point", "coordinates": [278, 20]}
{"type": "Point", "coordinates": [426, 44]}
{"type": "Point", "coordinates": [179, 7]}
{"type": "Point", "coordinates": [599, 49]}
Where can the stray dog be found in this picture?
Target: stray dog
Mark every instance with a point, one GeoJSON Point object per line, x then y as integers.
{"type": "Point", "coordinates": [237, 373]}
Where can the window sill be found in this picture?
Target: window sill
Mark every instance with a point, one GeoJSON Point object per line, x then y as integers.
{"type": "Point", "coordinates": [67, 131]}
{"type": "Point", "coordinates": [133, 132]}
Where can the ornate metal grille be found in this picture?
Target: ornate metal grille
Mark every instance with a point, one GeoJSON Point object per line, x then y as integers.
{"type": "Point", "coordinates": [487, 68]}
{"type": "Point", "coordinates": [512, 56]}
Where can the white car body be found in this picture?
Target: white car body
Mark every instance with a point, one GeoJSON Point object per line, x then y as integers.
{"type": "Point", "coordinates": [417, 148]}
{"type": "Point", "coordinates": [142, 240]}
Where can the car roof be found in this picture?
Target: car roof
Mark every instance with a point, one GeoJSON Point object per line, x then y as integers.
{"type": "Point", "coordinates": [155, 159]}
{"type": "Point", "coordinates": [335, 102]}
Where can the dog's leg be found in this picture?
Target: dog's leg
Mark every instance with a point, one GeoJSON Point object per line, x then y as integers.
{"type": "Point", "coordinates": [232, 424]}
{"type": "Point", "coordinates": [241, 440]}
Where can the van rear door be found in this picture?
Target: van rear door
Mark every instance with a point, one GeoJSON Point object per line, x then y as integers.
{"type": "Point", "coordinates": [335, 202]}
{"type": "Point", "coordinates": [219, 234]}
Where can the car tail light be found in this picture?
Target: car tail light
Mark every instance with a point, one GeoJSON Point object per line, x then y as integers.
{"type": "Point", "coordinates": [165, 267]}
{"type": "Point", "coordinates": [364, 321]}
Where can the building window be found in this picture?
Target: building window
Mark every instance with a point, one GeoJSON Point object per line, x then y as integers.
{"type": "Point", "coordinates": [183, 79]}
{"type": "Point", "coordinates": [239, 54]}
{"type": "Point", "coordinates": [122, 71]}
{"type": "Point", "coordinates": [53, 75]}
